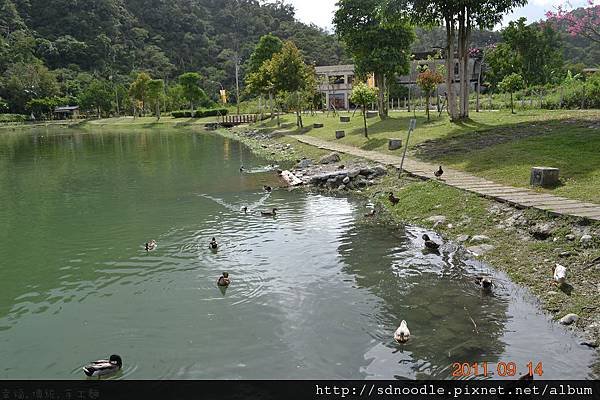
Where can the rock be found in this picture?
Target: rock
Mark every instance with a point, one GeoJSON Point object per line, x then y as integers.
{"type": "Point", "coordinates": [378, 170]}
{"type": "Point", "coordinates": [586, 239]}
{"type": "Point", "coordinates": [589, 343]}
{"type": "Point", "coordinates": [341, 187]}
{"type": "Point", "coordinates": [436, 219]}
{"type": "Point", "coordinates": [449, 226]}
{"type": "Point", "coordinates": [569, 319]}
{"type": "Point", "coordinates": [552, 293]}
{"type": "Point", "coordinates": [394, 144]}
{"type": "Point", "coordinates": [304, 163]}
{"type": "Point", "coordinates": [479, 239]}
{"type": "Point", "coordinates": [541, 231]}
{"type": "Point", "coordinates": [346, 180]}
{"type": "Point", "coordinates": [331, 158]}
{"type": "Point", "coordinates": [354, 173]}
{"type": "Point", "coordinates": [462, 238]}
{"type": "Point", "coordinates": [570, 236]}
{"type": "Point", "coordinates": [480, 249]}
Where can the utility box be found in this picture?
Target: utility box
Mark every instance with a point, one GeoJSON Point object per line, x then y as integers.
{"type": "Point", "coordinates": [544, 176]}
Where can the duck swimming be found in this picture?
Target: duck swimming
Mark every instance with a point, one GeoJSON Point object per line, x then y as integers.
{"type": "Point", "coordinates": [224, 279]}
{"type": "Point", "coordinates": [269, 213]}
{"type": "Point", "coordinates": [430, 244]}
{"type": "Point", "coordinates": [267, 188]}
{"type": "Point", "coordinates": [393, 199]}
{"type": "Point", "coordinates": [213, 244]}
{"type": "Point", "coordinates": [242, 168]}
{"type": "Point", "coordinates": [245, 209]}
{"type": "Point", "coordinates": [484, 282]}
{"type": "Point", "coordinates": [104, 367]}
{"type": "Point", "coordinates": [402, 334]}
{"type": "Point", "coordinates": [151, 245]}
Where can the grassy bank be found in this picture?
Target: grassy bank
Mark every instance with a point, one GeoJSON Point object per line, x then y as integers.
{"type": "Point", "coordinates": [495, 145]}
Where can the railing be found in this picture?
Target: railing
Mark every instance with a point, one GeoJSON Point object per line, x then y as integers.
{"type": "Point", "coordinates": [231, 120]}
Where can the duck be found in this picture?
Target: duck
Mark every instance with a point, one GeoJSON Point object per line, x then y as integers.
{"type": "Point", "coordinates": [104, 367]}
{"type": "Point", "coordinates": [402, 334]}
{"type": "Point", "coordinates": [484, 282]}
{"type": "Point", "coordinates": [341, 166]}
{"type": "Point", "coordinates": [370, 213]}
{"type": "Point", "coordinates": [439, 172]}
{"type": "Point", "coordinates": [242, 168]}
{"type": "Point", "coordinates": [560, 274]}
{"type": "Point", "coordinates": [393, 199]}
{"type": "Point", "coordinates": [430, 244]}
{"type": "Point", "coordinates": [267, 188]}
{"type": "Point", "coordinates": [271, 213]}
{"type": "Point", "coordinates": [151, 245]}
{"type": "Point", "coordinates": [245, 209]}
{"type": "Point", "coordinates": [213, 244]}
{"type": "Point", "coordinates": [224, 279]}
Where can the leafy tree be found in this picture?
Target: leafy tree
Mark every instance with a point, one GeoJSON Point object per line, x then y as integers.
{"type": "Point", "coordinates": [267, 46]}
{"type": "Point", "coordinates": [43, 107]}
{"type": "Point", "coordinates": [289, 74]}
{"type": "Point", "coordinates": [428, 81]}
{"type": "Point", "coordinates": [584, 22]}
{"type": "Point", "coordinates": [363, 95]}
{"type": "Point", "coordinates": [156, 89]}
{"type": "Point", "coordinates": [190, 83]}
{"type": "Point", "coordinates": [510, 84]}
{"type": "Point", "coordinates": [381, 49]}
{"type": "Point", "coordinates": [138, 91]}
{"type": "Point", "coordinates": [24, 82]}
{"type": "Point", "coordinates": [97, 96]}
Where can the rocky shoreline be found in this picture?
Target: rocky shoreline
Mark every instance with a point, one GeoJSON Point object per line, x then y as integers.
{"type": "Point", "coordinates": [492, 237]}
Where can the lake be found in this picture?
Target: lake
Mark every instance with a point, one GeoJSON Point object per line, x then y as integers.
{"type": "Point", "coordinates": [316, 292]}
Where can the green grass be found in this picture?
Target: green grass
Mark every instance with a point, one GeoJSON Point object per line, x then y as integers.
{"type": "Point", "coordinates": [496, 145]}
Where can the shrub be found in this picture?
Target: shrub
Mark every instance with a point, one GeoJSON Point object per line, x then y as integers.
{"type": "Point", "coordinates": [200, 113]}
{"type": "Point", "coordinates": [4, 118]}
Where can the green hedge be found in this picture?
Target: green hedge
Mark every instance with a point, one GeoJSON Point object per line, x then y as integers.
{"type": "Point", "coordinates": [13, 118]}
{"type": "Point", "coordinates": [200, 113]}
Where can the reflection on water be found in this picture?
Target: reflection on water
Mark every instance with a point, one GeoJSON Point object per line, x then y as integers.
{"type": "Point", "coordinates": [316, 292]}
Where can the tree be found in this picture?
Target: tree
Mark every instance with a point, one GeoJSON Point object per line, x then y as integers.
{"type": "Point", "coordinates": [138, 91]}
{"type": "Point", "coordinates": [24, 82]}
{"type": "Point", "coordinates": [363, 95]}
{"type": "Point", "coordinates": [428, 81]}
{"type": "Point", "coordinates": [257, 79]}
{"type": "Point", "coordinates": [380, 49]}
{"type": "Point", "coordinates": [510, 84]}
{"type": "Point", "coordinates": [156, 89]}
{"type": "Point", "coordinates": [190, 83]}
{"type": "Point", "coordinates": [582, 22]}
{"type": "Point", "coordinates": [43, 107]}
{"type": "Point", "coordinates": [459, 17]}
{"type": "Point", "coordinates": [289, 74]}
{"type": "Point", "coordinates": [97, 95]}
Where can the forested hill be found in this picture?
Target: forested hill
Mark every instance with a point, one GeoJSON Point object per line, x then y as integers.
{"type": "Point", "coordinates": [164, 37]}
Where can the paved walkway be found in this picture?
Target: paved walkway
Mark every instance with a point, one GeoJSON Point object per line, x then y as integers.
{"type": "Point", "coordinates": [519, 197]}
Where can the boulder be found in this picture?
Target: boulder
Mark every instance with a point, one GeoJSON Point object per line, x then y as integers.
{"type": "Point", "coordinates": [570, 236]}
{"type": "Point", "coordinates": [480, 249]}
{"type": "Point", "coordinates": [304, 163]}
{"type": "Point", "coordinates": [354, 173]}
{"type": "Point", "coordinates": [436, 219]}
{"type": "Point", "coordinates": [346, 180]}
{"type": "Point", "coordinates": [378, 170]}
{"type": "Point", "coordinates": [394, 144]}
{"type": "Point", "coordinates": [586, 239]}
{"type": "Point", "coordinates": [330, 158]}
{"type": "Point", "coordinates": [462, 238]}
{"type": "Point", "coordinates": [541, 231]}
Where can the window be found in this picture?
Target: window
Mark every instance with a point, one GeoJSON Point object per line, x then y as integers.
{"type": "Point", "coordinates": [336, 79]}
{"type": "Point", "coordinates": [350, 79]}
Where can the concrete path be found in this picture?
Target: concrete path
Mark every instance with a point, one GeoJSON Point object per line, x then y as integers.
{"type": "Point", "coordinates": [519, 197]}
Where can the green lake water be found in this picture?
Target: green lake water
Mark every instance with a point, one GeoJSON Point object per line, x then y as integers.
{"type": "Point", "coordinates": [316, 292]}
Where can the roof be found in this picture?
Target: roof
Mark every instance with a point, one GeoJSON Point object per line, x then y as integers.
{"type": "Point", "coordinates": [66, 109]}
{"type": "Point", "coordinates": [334, 68]}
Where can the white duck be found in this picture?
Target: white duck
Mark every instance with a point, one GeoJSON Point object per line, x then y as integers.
{"type": "Point", "coordinates": [402, 334]}
{"type": "Point", "coordinates": [104, 367]}
{"type": "Point", "coordinates": [560, 274]}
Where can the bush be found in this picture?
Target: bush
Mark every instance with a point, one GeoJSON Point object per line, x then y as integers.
{"type": "Point", "coordinates": [4, 118]}
{"type": "Point", "coordinates": [576, 94]}
{"type": "Point", "coordinates": [200, 113]}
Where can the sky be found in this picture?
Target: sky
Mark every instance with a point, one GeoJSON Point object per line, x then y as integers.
{"type": "Point", "coordinates": [320, 12]}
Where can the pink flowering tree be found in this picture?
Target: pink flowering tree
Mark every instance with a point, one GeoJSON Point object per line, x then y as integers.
{"type": "Point", "coordinates": [585, 22]}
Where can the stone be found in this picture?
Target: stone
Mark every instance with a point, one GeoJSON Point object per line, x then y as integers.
{"type": "Point", "coordinates": [586, 239]}
{"type": "Point", "coordinates": [479, 239]}
{"type": "Point", "coordinates": [552, 293]}
{"type": "Point", "coordinates": [304, 163]}
{"type": "Point", "coordinates": [339, 134]}
{"type": "Point", "coordinates": [436, 219]}
{"type": "Point", "coordinates": [341, 187]}
{"type": "Point", "coordinates": [565, 254]}
{"type": "Point", "coordinates": [570, 236]}
{"type": "Point", "coordinates": [569, 319]}
{"type": "Point", "coordinates": [541, 231]}
{"type": "Point", "coordinates": [394, 144]}
{"type": "Point", "coordinates": [346, 180]}
{"type": "Point", "coordinates": [462, 238]}
{"type": "Point", "coordinates": [378, 170]}
{"type": "Point", "coordinates": [330, 158]}
{"type": "Point", "coordinates": [480, 249]}
{"type": "Point", "coordinates": [354, 173]}
{"type": "Point", "coordinates": [317, 125]}
{"type": "Point", "coordinates": [449, 226]}
{"type": "Point", "coordinates": [544, 176]}
{"type": "Point", "coordinates": [344, 119]}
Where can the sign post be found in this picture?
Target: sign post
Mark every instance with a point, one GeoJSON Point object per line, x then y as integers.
{"type": "Point", "coordinates": [411, 127]}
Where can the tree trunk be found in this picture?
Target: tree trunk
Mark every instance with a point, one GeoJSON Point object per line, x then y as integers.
{"type": "Point", "coordinates": [450, 34]}
{"type": "Point", "coordinates": [381, 103]}
{"type": "Point", "coordinates": [364, 112]}
{"type": "Point", "coordinates": [464, 28]}
{"type": "Point", "coordinates": [427, 106]}
{"type": "Point", "coordinates": [271, 104]}
{"type": "Point", "coordinates": [512, 108]}
{"type": "Point", "coordinates": [158, 110]}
